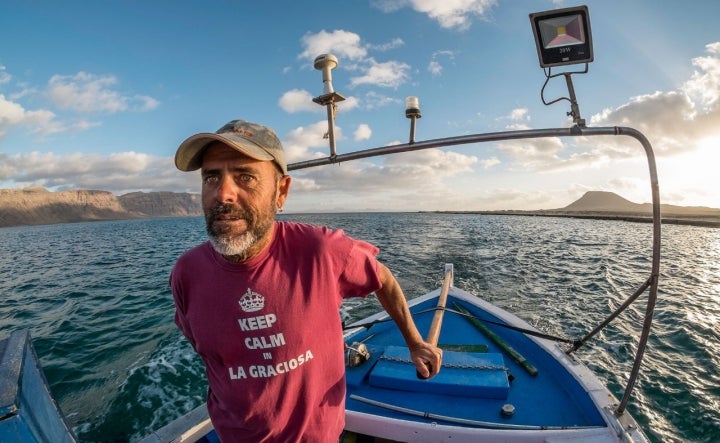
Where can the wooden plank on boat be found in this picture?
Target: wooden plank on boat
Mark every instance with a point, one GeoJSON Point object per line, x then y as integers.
{"type": "Point", "coordinates": [466, 374]}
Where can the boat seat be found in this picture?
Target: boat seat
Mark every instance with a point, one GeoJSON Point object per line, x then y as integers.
{"type": "Point", "coordinates": [464, 374]}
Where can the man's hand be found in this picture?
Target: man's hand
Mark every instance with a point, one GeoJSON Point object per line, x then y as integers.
{"type": "Point", "coordinates": [427, 359]}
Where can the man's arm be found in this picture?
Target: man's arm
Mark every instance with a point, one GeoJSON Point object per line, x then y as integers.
{"type": "Point", "coordinates": [426, 357]}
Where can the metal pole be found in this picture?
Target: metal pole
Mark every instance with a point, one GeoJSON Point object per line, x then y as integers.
{"type": "Point", "coordinates": [331, 128]}
{"type": "Point", "coordinates": [412, 130]}
{"type": "Point", "coordinates": [574, 108]}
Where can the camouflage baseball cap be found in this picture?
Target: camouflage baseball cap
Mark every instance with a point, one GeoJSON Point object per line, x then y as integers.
{"type": "Point", "coordinates": [254, 140]}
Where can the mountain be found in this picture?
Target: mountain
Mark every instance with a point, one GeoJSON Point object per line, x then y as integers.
{"type": "Point", "coordinates": [599, 201]}
{"type": "Point", "coordinates": [608, 202]}
{"type": "Point", "coordinates": [38, 206]}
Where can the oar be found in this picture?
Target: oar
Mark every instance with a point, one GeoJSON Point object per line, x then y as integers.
{"type": "Point", "coordinates": [434, 332]}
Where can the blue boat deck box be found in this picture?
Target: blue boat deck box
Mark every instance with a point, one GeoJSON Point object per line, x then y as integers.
{"type": "Point", "coordinates": [481, 375]}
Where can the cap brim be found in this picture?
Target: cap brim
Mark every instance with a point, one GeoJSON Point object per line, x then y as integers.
{"type": "Point", "coordinates": [189, 155]}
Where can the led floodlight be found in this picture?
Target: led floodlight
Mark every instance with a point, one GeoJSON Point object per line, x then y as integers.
{"type": "Point", "coordinates": [562, 36]}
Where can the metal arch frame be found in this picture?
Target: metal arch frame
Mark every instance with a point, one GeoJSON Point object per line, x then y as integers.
{"type": "Point", "coordinates": [575, 131]}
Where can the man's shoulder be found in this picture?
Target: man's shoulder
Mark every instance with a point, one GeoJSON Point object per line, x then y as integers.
{"type": "Point", "coordinates": [296, 232]}
{"type": "Point", "coordinates": [297, 228]}
{"type": "Point", "coordinates": [196, 251]}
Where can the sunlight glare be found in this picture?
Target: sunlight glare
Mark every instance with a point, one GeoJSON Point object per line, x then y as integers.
{"type": "Point", "coordinates": [693, 175]}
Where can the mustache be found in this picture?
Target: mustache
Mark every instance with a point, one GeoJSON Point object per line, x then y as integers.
{"type": "Point", "coordinates": [228, 209]}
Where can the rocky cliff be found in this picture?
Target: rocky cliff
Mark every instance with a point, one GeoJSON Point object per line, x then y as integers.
{"type": "Point", "coordinates": [161, 204]}
{"type": "Point", "coordinates": [38, 206]}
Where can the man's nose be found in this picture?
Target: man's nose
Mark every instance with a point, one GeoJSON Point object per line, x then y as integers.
{"type": "Point", "coordinates": [226, 191]}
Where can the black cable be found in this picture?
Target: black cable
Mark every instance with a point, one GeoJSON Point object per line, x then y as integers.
{"type": "Point", "coordinates": [502, 325]}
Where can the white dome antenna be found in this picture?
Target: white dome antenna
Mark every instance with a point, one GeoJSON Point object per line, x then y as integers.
{"type": "Point", "coordinates": [326, 63]}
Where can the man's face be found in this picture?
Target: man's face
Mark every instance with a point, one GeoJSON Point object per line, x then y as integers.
{"type": "Point", "coordinates": [240, 197]}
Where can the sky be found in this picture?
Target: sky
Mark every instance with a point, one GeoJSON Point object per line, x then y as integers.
{"type": "Point", "coordinates": [99, 95]}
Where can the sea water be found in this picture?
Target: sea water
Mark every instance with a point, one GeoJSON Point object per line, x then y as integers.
{"type": "Point", "coordinates": [96, 300]}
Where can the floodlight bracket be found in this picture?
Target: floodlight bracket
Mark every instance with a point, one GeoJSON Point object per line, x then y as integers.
{"type": "Point", "coordinates": [574, 107]}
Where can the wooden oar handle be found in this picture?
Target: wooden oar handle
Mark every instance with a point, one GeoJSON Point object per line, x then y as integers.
{"type": "Point", "coordinates": [434, 332]}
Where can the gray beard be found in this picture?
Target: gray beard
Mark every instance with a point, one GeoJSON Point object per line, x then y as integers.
{"type": "Point", "coordinates": [233, 246]}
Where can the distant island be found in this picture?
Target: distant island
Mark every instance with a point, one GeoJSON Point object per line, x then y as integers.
{"type": "Point", "coordinates": [38, 206]}
{"type": "Point", "coordinates": [610, 206]}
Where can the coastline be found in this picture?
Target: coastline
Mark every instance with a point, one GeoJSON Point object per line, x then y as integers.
{"type": "Point", "coordinates": [670, 219]}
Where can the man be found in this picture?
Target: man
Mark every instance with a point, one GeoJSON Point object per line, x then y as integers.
{"type": "Point", "coordinates": [260, 301]}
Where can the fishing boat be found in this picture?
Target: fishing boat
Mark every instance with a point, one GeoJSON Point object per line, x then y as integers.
{"type": "Point", "coordinates": [501, 379]}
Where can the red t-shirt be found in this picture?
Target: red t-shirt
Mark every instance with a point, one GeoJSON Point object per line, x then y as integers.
{"type": "Point", "coordinates": [269, 331]}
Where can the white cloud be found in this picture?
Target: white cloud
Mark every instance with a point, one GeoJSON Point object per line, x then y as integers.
{"type": "Point", "coordinates": [119, 172]}
{"type": "Point", "coordinates": [675, 120]}
{"type": "Point", "coordinates": [386, 74]}
{"type": "Point", "coordinates": [388, 6]}
{"type": "Point", "coordinates": [297, 100]}
{"type": "Point", "coordinates": [348, 104]}
{"type": "Point", "coordinates": [704, 86]}
{"type": "Point", "coordinates": [300, 100]}
{"type": "Point", "coordinates": [392, 184]}
{"type": "Point", "coordinates": [41, 122]}
{"type": "Point", "coordinates": [435, 67]}
{"type": "Point", "coordinates": [363, 132]}
{"type": "Point", "coordinates": [373, 100]}
{"type": "Point", "coordinates": [393, 44]}
{"type": "Point", "coordinates": [4, 76]}
{"type": "Point", "coordinates": [56, 127]}
{"type": "Point", "coordinates": [145, 103]}
{"type": "Point", "coordinates": [13, 115]}
{"type": "Point", "coordinates": [449, 13]}
{"type": "Point", "coordinates": [302, 143]}
{"type": "Point", "coordinates": [84, 92]}
{"type": "Point", "coordinates": [353, 56]}
{"type": "Point", "coordinates": [519, 114]}
{"type": "Point", "coordinates": [342, 44]}
{"type": "Point", "coordinates": [536, 154]}
{"type": "Point", "coordinates": [490, 162]}
{"type": "Point", "coordinates": [22, 93]}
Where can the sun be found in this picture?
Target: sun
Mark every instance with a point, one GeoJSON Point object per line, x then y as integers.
{"type": "Point", "coordinates": [691, 179]}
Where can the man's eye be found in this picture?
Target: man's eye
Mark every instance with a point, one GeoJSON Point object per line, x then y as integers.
{"type": "Point", "coordinates": [245, 178]}
{"type": "Point", "coordinates": [210, 179]}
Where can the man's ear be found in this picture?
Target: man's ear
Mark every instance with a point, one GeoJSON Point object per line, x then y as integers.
{"type": "Point", "coordinates": [283, 188]}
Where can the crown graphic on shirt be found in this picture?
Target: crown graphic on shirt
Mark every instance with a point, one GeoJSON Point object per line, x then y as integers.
{"type": "Point", "coordinates": [251, 301]}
